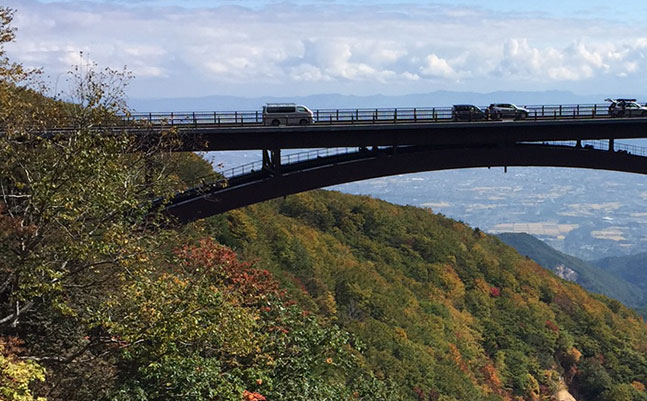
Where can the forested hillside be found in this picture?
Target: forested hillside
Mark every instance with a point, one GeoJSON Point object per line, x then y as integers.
{"type": "Point", "coordinates": [443, 310]}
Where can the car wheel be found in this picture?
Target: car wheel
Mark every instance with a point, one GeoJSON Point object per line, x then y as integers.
{"type": "Point", "coordinates": [303, 122]}
{"type": "Point", "coordinates": [276, 123]}
{"type": "Point", "coordinates": [523, 116]}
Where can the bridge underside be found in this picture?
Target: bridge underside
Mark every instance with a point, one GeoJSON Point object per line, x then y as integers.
{"type": "Point", "coordinates": [379, 162]}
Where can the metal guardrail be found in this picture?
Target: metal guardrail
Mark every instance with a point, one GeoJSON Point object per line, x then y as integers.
{"type": "Point", "coordinates": [600, 145]}
{"type": "Point", "coordinates": [286, 159]}
{"type": "Point", "coordinates": [199, 184]}
{"type": "Point", "coordinates": [356, 116]}
{"type": "Point", "coordinates": [190, 119]}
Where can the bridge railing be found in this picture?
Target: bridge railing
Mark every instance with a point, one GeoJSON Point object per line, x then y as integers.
{"type": "Point", "coordinates": [361, 115]}
{"type": "Point", "coordinates": [225, 118]}
{"type": "Point", "coordinates": [568, 111]}
{"type": "Point", "coordinates": [601, 145]}
{"type": "Point", "coordinates": [543, 112]}
{"type": "Point", "coordinates": [354, 116]}
{"type": "Point", "coordinates": [286, 159]}
{"type": "Point", "coordinates": [378, 115]}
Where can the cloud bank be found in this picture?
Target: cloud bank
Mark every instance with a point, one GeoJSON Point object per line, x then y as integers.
{"type": "Point", "coordinates": [286, 48]}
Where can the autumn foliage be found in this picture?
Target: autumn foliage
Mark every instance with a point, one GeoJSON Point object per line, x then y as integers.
{"type": "Point", "coordinates": [450, 311]}
{"type": "Point", "coordinates": [317, 296]}
{"type": "Point", "coordinates": [249, 396]}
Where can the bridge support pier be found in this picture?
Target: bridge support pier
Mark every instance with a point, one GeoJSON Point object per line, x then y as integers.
{"type": "Point", "coordinates": [272, 161]}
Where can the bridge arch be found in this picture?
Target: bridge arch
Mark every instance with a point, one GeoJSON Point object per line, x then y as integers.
{"type": "Point", "coordinates": [363, 164]}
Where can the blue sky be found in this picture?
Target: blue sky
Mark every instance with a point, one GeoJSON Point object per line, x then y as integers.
{"type": "Point", "coordinates": [254, 48]}
{"type": "Point", "coordinates": [602, 9]}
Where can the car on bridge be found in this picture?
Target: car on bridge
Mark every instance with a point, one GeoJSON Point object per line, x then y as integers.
{"type": "Point", "coordinates": [626, 108]}
{"type": "Point", "coordinates": [276, 114]}
{"type": "Point", "coordinates": [467, 112]}
{"type": "Point", "coordinates": [498, 111]}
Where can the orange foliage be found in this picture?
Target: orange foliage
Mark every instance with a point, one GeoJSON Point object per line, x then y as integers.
{"type": "Point", "coordinates": [490, 373]}
{"type": "Point", "coordinates": [552, 326]}
{"type": "Point", "coordinates": [251, 285]}
{"type": "Point", "coordinates": [13, 226]}
{"type": "Point", "coordinates": [455, 356]}
{"type": "Point", "coordinates": [249, 396]}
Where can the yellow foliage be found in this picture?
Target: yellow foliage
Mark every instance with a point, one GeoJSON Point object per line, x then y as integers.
{"type": "Point", "coordinates": [482, 286]}
{"type": "Point", "coordinates": [15, 377]}
{"type": "Point", "coordinates": [575, 354]}
{"type": "Point", "coordinates": [401, 333]}
{"type": "Point", "coordinates": [455, 287]}
{"type": "Point", "coordinates": [327, 304]}
{"type": "Point", "coordinates": [531, 387]}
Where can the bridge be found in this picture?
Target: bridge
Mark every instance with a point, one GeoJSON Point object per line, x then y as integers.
{"type": "Point", "coordinates": [350, 145]}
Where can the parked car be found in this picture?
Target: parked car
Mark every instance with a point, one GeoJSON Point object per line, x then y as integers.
{"type": "Point", "coordinates": [507, 110]}
{"type": "Point", "coordinates": [626, 108]}
{"type": "Point", "coordinates": [286, 114]}
{"type": "Point", "coordinates": [467, 112]}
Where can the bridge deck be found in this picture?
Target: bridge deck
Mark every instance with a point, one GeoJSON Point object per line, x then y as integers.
{"type": "Point", "coordinates": [422, 134]}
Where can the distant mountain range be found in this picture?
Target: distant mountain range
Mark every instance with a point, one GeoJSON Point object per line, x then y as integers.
{"type": "Point", "coordinates": [329, 101]}
{"type": "Point", "coordinates": [622, 278]}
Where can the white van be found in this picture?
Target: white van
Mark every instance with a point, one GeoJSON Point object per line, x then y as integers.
{"type": "Point", "coordinates": [286, 114]}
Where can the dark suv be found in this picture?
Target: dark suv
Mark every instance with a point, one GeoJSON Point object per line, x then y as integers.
{"type": "Point", "coordinates": [507, 110]}
{"type": "Point", "coordinates": [467, 112]}
{"type": "Point", "coordinates": [626, 108]}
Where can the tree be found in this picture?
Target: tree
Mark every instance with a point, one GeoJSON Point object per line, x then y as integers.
{"type": "Point", "coordinates": [75, 213]}
{"type": "Point", "coordinates": [73, 205]}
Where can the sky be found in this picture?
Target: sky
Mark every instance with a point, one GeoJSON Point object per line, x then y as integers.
{"type": "Point", "coordinates": [254, 48]}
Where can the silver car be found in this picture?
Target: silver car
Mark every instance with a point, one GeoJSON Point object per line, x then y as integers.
{"type": "Point", "coordinates": [286, 114]}
{"type": "Point", "coordinates": [507, 110]}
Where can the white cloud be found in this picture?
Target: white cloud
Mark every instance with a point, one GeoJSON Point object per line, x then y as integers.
{"type": "Point", "coordinates": [437, 67]}
{"type": "Point", "coordinates": [336, 47]}
{"type": "Point", "coordinates": [575, 62]}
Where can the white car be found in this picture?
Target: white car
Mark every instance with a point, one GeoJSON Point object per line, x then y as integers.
{"type": "Point", "coordinates": [286, 114]}
{"type": "Point", "coordinates": [626, 108]}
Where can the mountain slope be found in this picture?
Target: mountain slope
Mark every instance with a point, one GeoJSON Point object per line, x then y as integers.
{"type": "Point", "coordinates": [588, 275]}
{"type": "Point", "coordinates": [444, 311]}
{"type": "Point", "coordinates": [630, 268]}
